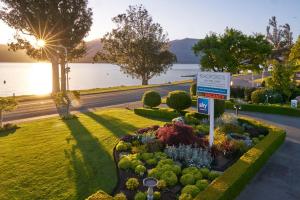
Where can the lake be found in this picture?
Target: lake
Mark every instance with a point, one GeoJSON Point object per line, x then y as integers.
{"type": "Point", "coordinates": [35, 78]}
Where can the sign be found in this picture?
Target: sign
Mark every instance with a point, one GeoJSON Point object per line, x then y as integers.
{"type": "Point", "coordinates": [297, 76]}
{"type": "Point", "coordinates": [203, 105]}
{"type": "Point", "coordinates": [294, 103]}
{"type": "Point", "coordinates": [214, 85]}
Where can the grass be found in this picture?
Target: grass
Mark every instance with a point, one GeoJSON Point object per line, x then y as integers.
{"type": "Point", "coordinates": [101, 90]}
{"type": "Point", "coordinates": [55, 159]}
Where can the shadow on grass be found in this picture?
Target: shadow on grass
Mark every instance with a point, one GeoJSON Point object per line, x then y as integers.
{"type": "Point", "coordinates": [115, 125]}
{"type": "Point", "coordinates": [9, 131]}
{"type": "Point", "coordinates": [93, 166]}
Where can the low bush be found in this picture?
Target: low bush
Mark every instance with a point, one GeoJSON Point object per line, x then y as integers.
{"type": "Point", "coordinates": [176, 133]}
{"type": "Point", "coordinates": [270, 109]}
{"type": "Point", "coordinates": [234, 179]}
{"type": "Point", "coordinates": [202, 184]}
{"type": "Point", "coordinates": [170, 178]}
{"type": "Point", "coordinates": [123, 146]}
{"type": "Point", "coordinates": [120, 196]}
{"type": "Point", "coordinates": [265, 95]}
{"type": "Point", "coordinates": [190, 170]}
{"type": "Point", "coordinates": [156, 195]}
{"type": "Point", "coordinates": [237, 92]}
{"type": "Point", "coordinates": [124, 163]}
{"type": "Point", "coordinates": [100, 195]}
{"type": "Point", "coordinates": [185, 196]}
{"type": "Point", "coordinates": [187, 179]}
{"type": "Point", "coordinates": [193, 89]}
{"type": "Point", "coordinates": [204, 172]}
{"type": "Point", "coordinates": [213, 175]}
{"type": "Point", "coordinates": [247, 93]}
{"type": "Point", "coordinates": [161, 184]}
{"type": "Point", "coordinates": [179, 100]}
{"type": "Point", "coordinates": [132, 183]}
{"type": "Point", "coordinates": [190, 189]}
{"type": "Point", "coordinates": [151, 161]}
{"type": "Point", "coordinates": [140, 196]}
{"type": "Point", "coordinates": [140, 170]}
{"type": "Point", "coordinates": [151, 99]}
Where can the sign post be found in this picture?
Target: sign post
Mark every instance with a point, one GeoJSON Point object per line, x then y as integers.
{"type": "Point", "coordinates": [212, 85]}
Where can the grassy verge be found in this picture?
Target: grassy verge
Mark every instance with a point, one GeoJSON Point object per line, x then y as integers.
{"type": "Point", "coordinates": [101, 90]}
{"type": "Point", "coordinates": [270, 109]}
{"type": "Point", "coordinates": [232, 182]}
{"type": "Point", "coordinates": [55, 159]}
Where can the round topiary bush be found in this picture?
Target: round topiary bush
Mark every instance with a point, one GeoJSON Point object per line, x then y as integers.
{"type": "Point", "coordinates": [202, 184]}
{"type": "Point", "coordinates": [190, 189]}
{"type": "Point", "coordinates": [140, 196]}
{"type": "Point", "coordinates": [259, 96]}
{"type": "Point", "coordinates": [156, 195]}
{"type": "Point", "coordinates": [120, 196]}
{"type": "Point", "coordinates": [185, 196]}
{"type": "Point", "coordinates": [123, 146]}
{"type": "Point", "coordinates": [204, 172]}
{"type": "Point", "coordinates": [124, 163]}
{"type": "Point", "coordinates": [140, 170]}
{"type": "Point", "coordinates": [213, 175]}
{"type": "Point", "coordinates": [179, 100]}
{"type": "Point", "coordinates": [132, 183]}
{"type": "Point", "coordinates": [151, 99]}
{"type": "Point", "coordinates": [161, 184]}
{"type": "Point", "coordinates": [170, 178]}
{"type": "Point", "coordinates": [187, 179]}
{"type": "Point", "coordinates": [193, 89]}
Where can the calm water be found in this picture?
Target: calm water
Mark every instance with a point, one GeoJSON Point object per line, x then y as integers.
{"type": "Point", "coordinates": [35, 78]}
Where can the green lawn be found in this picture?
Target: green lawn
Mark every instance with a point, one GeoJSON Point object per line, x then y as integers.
{"type": "Point", "coordinates": [55, 159]}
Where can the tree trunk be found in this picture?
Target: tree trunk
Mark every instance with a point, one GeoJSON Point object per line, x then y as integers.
{"type": "Point", "coordinates": [144, 81]}
{"type": "Point", "coordinates": [1, 119]}
{"type": "Point", "coordinates": [63, 79]}
{"type": "Point", "coordinates": [55, 76]}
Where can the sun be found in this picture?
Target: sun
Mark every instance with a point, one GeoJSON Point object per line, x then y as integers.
{"type": "Point", "coordinates": [41, 43]}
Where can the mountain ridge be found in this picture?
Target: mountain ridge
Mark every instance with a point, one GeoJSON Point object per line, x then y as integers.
{"type": "Point", "coordinates": [182, 48]}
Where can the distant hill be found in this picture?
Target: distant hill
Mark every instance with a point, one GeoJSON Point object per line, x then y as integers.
{"type": "Point", "coordinates": [181, 48]}
{"type": "Point", "coordinates": [10, 56]}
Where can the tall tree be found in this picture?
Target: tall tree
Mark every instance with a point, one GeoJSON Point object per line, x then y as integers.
{"type": "Point", "coordinates": [137, 44]}
{"type": "Point", "coordinates": [281, 38]}
{"type": "Point", "coordinates": [62, 24]}
{"type": "Point", "coordinates": [232, 51]}
{"type": "Point", "coordinates": [294, 56]}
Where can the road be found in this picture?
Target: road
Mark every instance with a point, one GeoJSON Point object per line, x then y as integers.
{"type": "Point", "coordinates": [280, 177]}
{"type": "Point", "coordinates": [38, 108]}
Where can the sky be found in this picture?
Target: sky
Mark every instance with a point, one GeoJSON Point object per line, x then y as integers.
{"type": "Point", "coordinates": [193, 18]}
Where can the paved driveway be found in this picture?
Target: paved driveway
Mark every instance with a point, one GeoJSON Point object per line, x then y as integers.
{"type": "Point", "coordinates": [279, 179]}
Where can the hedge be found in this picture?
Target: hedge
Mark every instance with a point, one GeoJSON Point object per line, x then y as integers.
{"type": "Point", "coordinates": [164, 113]}
{"type": "Point", "coordinates": [279, 110]}
{"type": "Point", "coordinates": [235, 178]}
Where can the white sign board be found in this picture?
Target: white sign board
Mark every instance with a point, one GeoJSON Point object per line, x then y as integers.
{"type": "Point", "coordinates": [214, 85]}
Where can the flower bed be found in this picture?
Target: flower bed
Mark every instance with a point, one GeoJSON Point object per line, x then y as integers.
{"type": "Point", "coordinates": [178, 156]}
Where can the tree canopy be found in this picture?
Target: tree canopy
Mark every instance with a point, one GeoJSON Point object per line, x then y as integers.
{"type": "Point", "coordinates": [294, 56]}
{"type": "Point", "coordinates": [232, 51]}
{"type": "Point", "coordinates": [137, 44]}
{"type": "Point", "coordinates": [57, 22]}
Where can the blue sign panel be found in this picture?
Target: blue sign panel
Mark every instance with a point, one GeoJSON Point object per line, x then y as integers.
{"type": "Point", "coordinates": [203, 106]}
{"type": "Point", "coordinates": [211, 90]}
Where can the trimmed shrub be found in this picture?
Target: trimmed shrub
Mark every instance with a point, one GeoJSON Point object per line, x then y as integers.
{"type": "Point", "coordinates": [213, 175]}
{"type": "Point", "coordinates": [140, 196]}
{"type": "Point", "coordinates": [156, 195]}
{"type": "Point", "coordinates": [132, 183]}
{"type": "Point", "coordinates": [204, 172]}
{"type": "Point", "coordinates": [247, 93]}
{"type": "Point", "coordinates": [185, 196]}
{"type": "Point", "coordinates": [202, 184]}
{"type": "Point", "coordinates": [151, 99]}
{"type": "Point", "coordinates": [120, 196]}
{"type": "Point", "coordinates": [135, 163]}
{"type": "Point", "coordinates": [100, 195]}
{"type": "Point", "coordinates": [161, 184]}
{"type": "Point", "coordinates": [190, 170]}
{"type": "Point", "coordinates": [176, 133]}
{"type": "Point", "coordinates": [170, 178]}
{"type": "Point", "coordinates": [140, 170]}
{"type": "Point", "coordinates": [146, 156]}
{"type": "Point", "coordinates": [179, 100]}
{"type": "Point", "coordinates": [154, 173]}
{"type": "Point", "coordinates": [193, 89]}
{"type": "Point", "coordinates": [190, 189]}
{"type": "Point", "coordinates": [259, 96]}
{"type": "Point", "coordinates": [187, 179]}
{"type": "Point", "coordinates": [123, 146]}
{"type": "Point", "coordinates": [124, 163]}
{"type": "Point", "coordinates": [219, 107]}
{"type": "Point", "coordinates": [151, 161]}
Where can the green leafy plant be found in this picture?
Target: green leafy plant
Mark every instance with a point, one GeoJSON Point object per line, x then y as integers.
{"type": "Point", "coordinates": [123, 146]}
{"type": "Point", "coordinates": [187, 179]}
{"type": "Point", "coordinates": [204, 172]}
{"type": "Point", "coordinates": [151, 99]}
{"type": "Point", "coordinates": [185, 196]}
{"type": "Point", "coordinates": [140, 196]}
{"type": "Point", "coordinates": [124, 163]}
{"type": "Point", "coordinates": [202, 184]}
{"type": "Point", "coordinates": [190, 189]}
{"type": "Point", "coordinates": [120, 196]}
{"type": "Point", "coordinates": [179, 100]}
{"type": "Point", "coordinates": [140, 170]}
{"type": "Point", "coordinates": [170, 178]}
{"type": "Point", "coordinates": [161, 184]}
{"type": "Point", "coordinates": [213, 175]}
{"type": "Point", "coordinates": [156, 195]}
{"type": "Point", "coordinates": [132, 183]}
{"type": "Point", "coordinates": [151, 161]}
{"type": "Point", "coordinates": [193, 89]}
